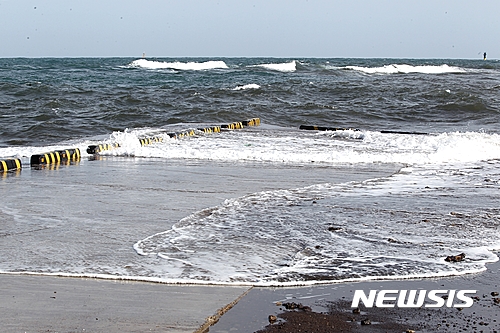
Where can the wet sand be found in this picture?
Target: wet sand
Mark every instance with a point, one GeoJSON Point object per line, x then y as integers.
{"type": "Point", "coordinates": [327, 308]}
{"type": "Point", "coordinates": [161, 193]}
{"type": "Point", "coordinates": [58, 304]}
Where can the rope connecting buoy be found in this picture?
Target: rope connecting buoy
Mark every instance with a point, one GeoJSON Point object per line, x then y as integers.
{"type": "Point", "coordinates": [56, 157]}
{"type": "Point", "coordinates": [322, 128]}
{"type": "Point", "coordinates": [10, 164]}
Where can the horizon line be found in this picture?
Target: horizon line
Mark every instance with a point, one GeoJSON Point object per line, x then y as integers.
{"type": "Point", "coordinates": [235, 57]}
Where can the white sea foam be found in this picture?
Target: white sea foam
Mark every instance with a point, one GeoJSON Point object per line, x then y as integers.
{"type": "Point", "coordinates": [247, 86]}
{"type": "Point", "coordinates": [304, 147]}
{"type": "Point", "coordinates": [405, 69]}
{"type": "Point", "coordinates": [332, 148]}
{"type": "Point", "coordinates": [282, 67]}
{"type": "Point", "coordinates": [194, 66]}
{"type": "Point", "coordinates": [355, 239]}
{"type": "Point", "coordinates": [397, 227]}
{"type": "Point", "coordinates": [366, 230]}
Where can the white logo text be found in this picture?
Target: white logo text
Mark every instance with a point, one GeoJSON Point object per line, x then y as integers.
{"type": "Point", "coordinates": [413, 298]}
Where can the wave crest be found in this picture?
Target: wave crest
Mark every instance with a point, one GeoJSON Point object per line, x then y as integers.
{"type": "Point", "coordinates": [406, 69]}
{"type": "Point", "coordinates": [247, 86]}
{"type": "Point", "coordinates": [193, 66]}
{"type": "Point", "coordinates": [283, 242]}
{"type": "Point", "coordinates": [283, 67]}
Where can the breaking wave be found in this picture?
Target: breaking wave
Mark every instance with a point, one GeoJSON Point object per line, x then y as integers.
{"type": "Point", "coordinates": [193, 66]}
{"type": "Point", "coordinates": [406, 69]}
{"type": "Point", "coordinates": [275, 237]}
{"type": "Point", "coordinates": [247, 86]}
{"type": "Point", "coordinates": [282, 67]}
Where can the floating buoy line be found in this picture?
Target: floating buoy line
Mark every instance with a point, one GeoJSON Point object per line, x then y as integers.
{"type": "Point", "coordinates": [56, 157]}
{"type": "Point", "coordinates": [322, 128]}
{"type": "Point", "coordinates": [73, 155]}
{"type": "Point", "coordinates": [96, 149]}
{"type": "Point", "coordinates": [10, 164]}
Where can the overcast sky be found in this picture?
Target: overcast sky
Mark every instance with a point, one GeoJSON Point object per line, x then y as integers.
{"type": "Point", "coordinates": [237, 28]}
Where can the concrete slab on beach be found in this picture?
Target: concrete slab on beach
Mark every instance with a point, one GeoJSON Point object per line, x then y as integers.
{"type": "Point", "coordinates": [333, 301]}
{"type": "Point", "coordinates": [56, 304]}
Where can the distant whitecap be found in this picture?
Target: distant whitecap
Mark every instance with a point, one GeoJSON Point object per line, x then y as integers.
{"type": "Point", "coordinates": [405, 69]}
{"type": "Point", "coordinates": [247, 86]}
{"type": "Point", "coordinates": [282, 67]}
{"type": "Point", "coordinates": [193, 66]}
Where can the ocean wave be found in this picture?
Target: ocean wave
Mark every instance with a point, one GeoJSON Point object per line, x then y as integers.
{"type": "Point", "coordinates": [193, 66]}
{"type": "Point", "coordinates": [247, 86]}
{"type": "Point", "coordinates": [406, 69]}
{"type": "Point", "coordinates": [329, 147]}
{"type": "Point", "coordinates": [291, 147]}
{"type": "Point", "coordinates": [282, 67]}
{"type": "Point", "coordinates": [291, 246]}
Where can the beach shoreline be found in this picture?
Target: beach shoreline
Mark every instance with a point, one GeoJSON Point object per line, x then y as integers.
{"type": "Point", "coordinates": [45, 302]}
{"type": "Point", "coordinates": [320, 308]}
{"type": "Point", "coordinates": [63, 304]}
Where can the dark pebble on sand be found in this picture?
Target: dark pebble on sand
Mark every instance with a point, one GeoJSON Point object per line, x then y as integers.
{"type": "Point", "coordinates": [296, 306]}
{"type": "Point", "coordinates": [366, 322]}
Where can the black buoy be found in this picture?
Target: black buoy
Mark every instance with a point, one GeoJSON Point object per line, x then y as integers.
{"type": "Point", "coordinates": [10, 164]}
{"type": "Point", "coordinates": [56, 157]}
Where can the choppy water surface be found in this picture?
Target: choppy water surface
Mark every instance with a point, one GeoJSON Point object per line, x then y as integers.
{"type": "Point", "coordinates": [442, 201]}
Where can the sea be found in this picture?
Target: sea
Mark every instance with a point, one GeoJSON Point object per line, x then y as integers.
{"type": "Point", "coordinates": [402, 172]}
